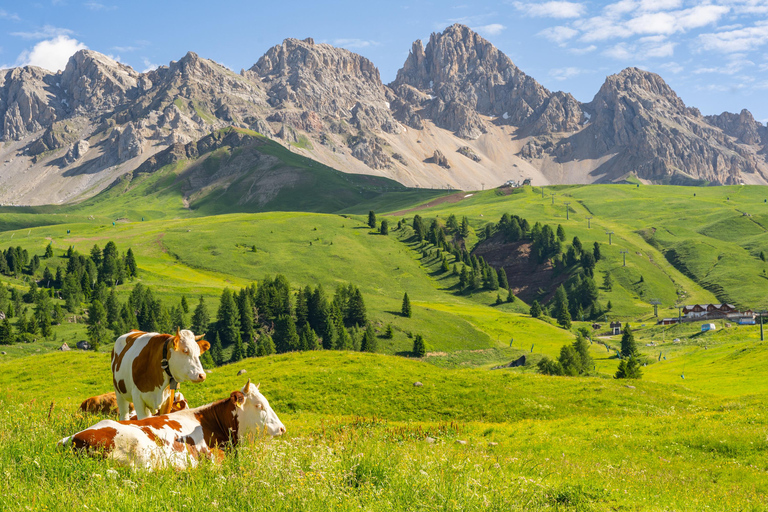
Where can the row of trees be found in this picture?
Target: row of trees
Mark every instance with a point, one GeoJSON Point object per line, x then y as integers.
{"type": "Point", "coordinates": [268, 318]}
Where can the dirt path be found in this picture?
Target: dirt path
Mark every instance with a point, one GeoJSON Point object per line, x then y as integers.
{"type": "Point", "coordinates": [453, 198]}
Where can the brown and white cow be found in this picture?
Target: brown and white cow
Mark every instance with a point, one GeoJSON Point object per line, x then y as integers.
{"type": "Point", "coordinates": [140, 375]}
{"type": "Point", "coordinates": [178, 440]}
{"type": "Point", "coordinates": [107, 404]}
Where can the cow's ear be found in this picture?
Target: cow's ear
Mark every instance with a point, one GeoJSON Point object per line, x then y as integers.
{"type": "Point", "coordinates": [204, 345]}
{"type": "Point", "coordinates": [238, 399]}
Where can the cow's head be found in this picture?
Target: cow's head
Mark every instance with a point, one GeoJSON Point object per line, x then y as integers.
{"type": "Point", "coordinates": [254, 413]}
{"type": "Point", "coordinates": [184, 356]}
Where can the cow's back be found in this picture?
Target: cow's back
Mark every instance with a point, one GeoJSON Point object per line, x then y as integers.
{"type": "Point", "coordinates": [128, 348]}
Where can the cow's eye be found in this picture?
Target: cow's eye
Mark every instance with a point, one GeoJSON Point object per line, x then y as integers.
{"type": "Point", "coordinates": [186, 351]}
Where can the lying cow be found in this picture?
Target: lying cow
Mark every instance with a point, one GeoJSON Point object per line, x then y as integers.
{"type": "Point", "coordinates": [145, 366]}
{"type": "Point", "coordinates": [107, 404]}
{"type": "Point", "coordinates": [101, 404]}
{"type": "Point", "coordinates": [177, 440]}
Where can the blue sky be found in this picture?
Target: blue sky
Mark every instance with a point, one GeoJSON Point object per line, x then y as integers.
{"type": "Point", "coordinates": [713, 53]}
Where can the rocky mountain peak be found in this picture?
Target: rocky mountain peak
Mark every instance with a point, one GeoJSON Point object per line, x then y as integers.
{"type": "Point", "coordinates": [92, 81]}
{"type": "Point", "coordinates": [741, 126]}
{"type": "Point", "coordinates": [467, 76]}
{"type": "Point", "coordinates": [318, 77]}
{"type": "Point", "coordinates": [648, 88]}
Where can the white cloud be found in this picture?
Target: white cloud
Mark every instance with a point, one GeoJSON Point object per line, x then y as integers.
{"type": "Point", "coordinates": [354, 43]}
{"type": "Point", "coordinates": [643, 48]}
{"type": "Point", "coordinates": [739, 40]}
{"type": "Point", "coordinates": [51, 54]}
{"type": "Point", "coordinates": [5, 15]}
{"type": "Point", "coordinates": [672, 67]}
{"type": "Point", "coordinates": [582, 51]}
{"type": "Point", "coordinates": [558, 34]}
{"type": "Point", "coordinates": [734, 66]}
{"type": "Point", "coordinates": [552, 9]}
{"type": "Point", "coordinates": [565, 73]}
{"type": "Point", "coordinates": [148, 65]}
{"type": "Point", "coordinates": [620, 51]}
{"type": "Point", "coordinates": [46, 32]}
{"type": "Point", "coordinates": [96, 6]}
{"type": "Point", "coordinates": [491, 29]}
{"type": "Point", "coordinates": [659, 5]}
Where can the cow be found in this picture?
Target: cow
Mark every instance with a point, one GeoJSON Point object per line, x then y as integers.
{"type": "Point", "coordinates": [180, 439]}
{"type": "Point", "coordinates": [107, 404]}
{"type": "Point", "coordinates": [101, 404]}
{"type": "Point", "coordinates": [147, 365]}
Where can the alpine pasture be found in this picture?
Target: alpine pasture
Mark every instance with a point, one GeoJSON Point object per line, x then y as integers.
{"type": "Point", "coordinates": [692, 434]}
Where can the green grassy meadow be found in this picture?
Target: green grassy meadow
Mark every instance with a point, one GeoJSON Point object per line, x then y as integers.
{"type": "Point", "coordinates": [692, 434]}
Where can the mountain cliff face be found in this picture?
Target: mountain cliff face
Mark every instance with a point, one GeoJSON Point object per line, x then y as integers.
{"type": "Point", "coordinates": [69, 134]}
{"type": "Point", "coordinates": [466, 77]}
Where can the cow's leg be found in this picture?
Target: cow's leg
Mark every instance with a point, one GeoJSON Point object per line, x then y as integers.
{"type": "Point", "coordinates": [142, 411]}
{"type": "Point", "coordinates": [123, 406]}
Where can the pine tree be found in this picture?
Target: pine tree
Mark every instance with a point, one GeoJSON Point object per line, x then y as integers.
{"type": "Point", "coordinates": [177, 319]}
{"type": "Point", "coordinates": [184, 304]}
{"type": "Point", "coordinates": [266, 346]}
{"type": "Point", "coordinates": [217, 352]}
{"type": "Point", "coordinates": [389, 332]}
{"type": "Point", "coordinates": [406, 310]}
{"type": "Point", "coordinates": [371, 219]}
{"type": "Point", "coordinates": [628, 345]}
{"type": "Point", "coordinates": [250, 349]}
{"type": "Point", "coordinates": [357, 314]}
{"type": "Point", "coordinates": [419, 347]}
{"type": "Point", "coordinates": [502, 277]}
{"type": "Point", "coordinates": [535, 309]}
{"type": "Point", "coordinates": [97, 324]}
{"type": "Point", "coordinates": [762, 255]}
{"type": "Point", "coordinates": [493, 279]}
{"type": "Point", "coordinates": [596, 252]}
{"type": "Point", "coordinates": [200, 317]}
{"type": "Point", "coordinates": [498, 300]}
{"type": "Point", "coordinates": [384, 227]}
{"type": "Point", "coordinates": [112, 305]}
{"type": "Point", "coordinates": [561, 312]}
{"type": "Point", "coordinates": [464, 227]}
{"type": "Point", "coordinates": [206, 359]}
{"type": "Point", "coordinates": [444, 267]}
{"type": "Point", "coordinates": [238, 352]}
{"type": "Point", "coordinates": [510, 296]}
{"type": "Point", "coordinates": [343, 339]}
{"type": "Point", "coordinates": [609, 306]}
{"type": "Point", "coordinates": [581, 346]}
{"type": "Point", "coordinates": [6, 332]}
{"type": "Point", "coordinates": [49, 250]}
{"type": "Point", "coordinates": [286, 338]}
{"type": "Point", "coordinates": [369, 342]}
{"type": "Point", "coordinates": [130, 263]}
{"type": "Point", "coordinates": [608, 281]}
{"type": "Point", "coordinates": [245, 308]}
{"type": "Point", "coordinates": [228, 319]}
{"type": "Point", "coordinates": [570, 361]}
{"type": "Point", "coordinates": [629, 369]}
{"type": "Point", "coordinates": [560, 233]}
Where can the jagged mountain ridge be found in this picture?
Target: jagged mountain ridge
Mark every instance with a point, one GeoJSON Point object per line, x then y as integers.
{"type": "Point", "coordinates": [459, 114]}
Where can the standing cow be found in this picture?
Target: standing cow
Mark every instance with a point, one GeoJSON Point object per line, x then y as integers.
{"type": "Point", "coordinates": [145, 366]}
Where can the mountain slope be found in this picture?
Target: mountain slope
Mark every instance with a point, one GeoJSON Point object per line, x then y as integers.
{"type": "Point", "coordinates": [460, 114]}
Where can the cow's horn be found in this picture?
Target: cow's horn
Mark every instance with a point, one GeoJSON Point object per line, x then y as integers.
{"type": "Point", "coordinates": [248, 384]}
{"type": "Point", "coordinates": [178, 331]}
{"type": "Point", "coordinates": [198, 338]}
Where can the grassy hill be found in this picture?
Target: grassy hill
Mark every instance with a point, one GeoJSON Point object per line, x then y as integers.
{"type": "Point", "coordinates": [689, 244]}
{"type": "Point", "coordinates": [361, 435]}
